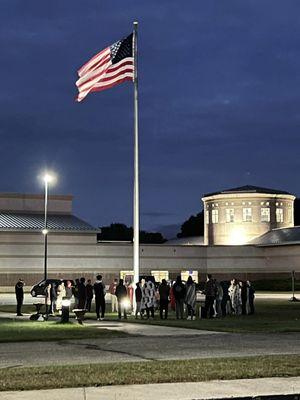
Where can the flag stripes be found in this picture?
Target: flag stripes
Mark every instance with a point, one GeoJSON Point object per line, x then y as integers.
{"type": "Point", "coordinates": [110, 67]}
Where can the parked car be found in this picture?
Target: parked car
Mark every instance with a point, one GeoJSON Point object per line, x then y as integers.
{"type": "Point", "coordinates": [39, 288]}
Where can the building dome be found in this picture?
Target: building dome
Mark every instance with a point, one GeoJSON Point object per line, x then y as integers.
{"type": "Point", "coordinates": [237, 216]}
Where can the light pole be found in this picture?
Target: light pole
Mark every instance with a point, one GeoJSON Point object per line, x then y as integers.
{"type": "Point", "coordinates": [293, 298]}
{"type": "Point", "coordinates": [47, 179]}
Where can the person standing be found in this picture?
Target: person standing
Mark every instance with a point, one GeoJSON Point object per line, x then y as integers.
{"type": "Point", "coordinates": [53, 297]}
{"type": "Point", "coordinates": [164, 293]}
{"type": "Point", "coordinates": [218, 300]}
{"type": "Point", "coordinates": [225, 298]}
{"type": "Point", "coordinates": [112, 291]}
{"type": "Point", "coordinates": [190, 298]}
{"type": "Point", "coordinates": [179, 294]}
{"type": "Point", "coordinates": [251, 294]}
{"type": "Point", "coordinates": [235, 297]}
{"type": "Point", "coordinates": [19, 296]}
{"type": "Point", "coordinates": [210, 295]}
{"type": "Point", "coordinates": [121, 293]}
{"type": "Point", "coordinates": [130, 293]}
{"type": "Point", "coordinates": [75, 292]}
{"type": "Point", "coordinates": [99, 290]}
{"type": "Point", "coordinates": [48, 299]}
{"type": "Point", "coordinates": [81, 294]}
{"type": "Point", "coordinates": [138, 300]}
{"type": "Point", "coordinates": [172, 298]}
{"type": "Point", "coordinates": [149, 298]}
{"type": "Point", "coordinates": [61, 293]}
{"type": "Point", "coordinates": [244, 296]}
{"type": "Point", "coordinates": [89, 295]}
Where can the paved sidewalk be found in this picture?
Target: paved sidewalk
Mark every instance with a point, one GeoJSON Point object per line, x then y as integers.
{"type": "Point", "coordinates": [130, 328]}
{"type": "Point", "coordinates": [150, 330]}
{"type": "Point", "coordinates": [168, 391]}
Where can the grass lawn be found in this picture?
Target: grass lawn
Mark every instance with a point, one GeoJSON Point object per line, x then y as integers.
{"type": "Point", "coordinates": [270, 316]}
{"type": "Point", "coordinates": [21, 331]}
{"type": "Point", "coordinates": [149, 372]}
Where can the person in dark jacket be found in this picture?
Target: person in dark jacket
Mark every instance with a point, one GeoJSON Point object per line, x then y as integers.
{"type": "Point", "coordinates": [75, 292]}
{"type": "Point", "coordinates": [19, 296]}
{"type": "Point", "coordinates": [89, 295]}
{"type": "Point", "coordinates": [164, 293]}
{"type": "Point", "coordinates": [81, 294]}
{"type": "Point", "coordinates": [179, 294]}
{"type": "Point", "coordinates": [121, 293]}
{"type": "Point", "coordinates": [138, 299]}
{"type": "Point", "coordinates": [244, 296]}
{"type": "Point", "coordinates": [53, 298]}
{"type": "Point", "coordinates": [99, 290]}
{"type": "Point", "coordinates": [251, 294]}
{"type": "Point", "coordinates": [210, 295]}
{"type": "Point", "coordinates": [225, 298]}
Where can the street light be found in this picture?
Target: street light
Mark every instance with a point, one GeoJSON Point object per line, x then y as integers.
{"type": "Point", "coordinates": [47, 178]}
{"type": "Point", "coordinates": [293, 298]}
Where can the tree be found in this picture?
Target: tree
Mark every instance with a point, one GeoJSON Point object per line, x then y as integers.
{"type": "Point", "coordinates": [194, 226]}
{"type": "Point", "coordinates": [115, 231]}
{"type": "Point", "coordinates": [121, 232]}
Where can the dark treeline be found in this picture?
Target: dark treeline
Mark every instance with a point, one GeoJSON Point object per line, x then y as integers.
{"type": "Point", "coordinates": [122, 232]}
{"type": "Point", "coordinates": [193, 226]}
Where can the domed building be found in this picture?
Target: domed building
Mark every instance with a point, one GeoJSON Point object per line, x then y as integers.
{"type": "Point", "coordinates": [239, 215]}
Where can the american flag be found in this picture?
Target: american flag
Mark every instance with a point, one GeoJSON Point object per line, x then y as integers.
{"type": "Point", "coordinates": [111, 66]}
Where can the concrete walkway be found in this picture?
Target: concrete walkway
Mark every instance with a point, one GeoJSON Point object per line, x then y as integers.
{"type": "Point", "coordinates": [168, 391]}
{"type": "Point", "coordinates": [130, 328]}
{"type": "Point", "coordinates": [149, 330]}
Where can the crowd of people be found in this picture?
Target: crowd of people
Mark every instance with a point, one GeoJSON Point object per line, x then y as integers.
{"type": "Point", "coordinates": [221, 298]}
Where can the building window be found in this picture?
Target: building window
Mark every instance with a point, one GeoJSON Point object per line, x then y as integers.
{"type": "Point", "coordinates": [229, 215]}
{"type": "Point", "coordinates": [247, 214]}
{"type": "Point", "coordinates": [160, 275]}
{"type": "Point", "coordinates": [186, 274]}
{"type": "Point", "coordinates": [265, 214]}
{"type": "Point", "coordinates": [290, 215]}
{"type": "Point", "coordinates": [215, 216]}
{"type": "Point", "coordinates": [279, 214]}
{"type": "Point", "coordinates": [207, 217]}
{"type": "Point", "coordinates": [127, 276]}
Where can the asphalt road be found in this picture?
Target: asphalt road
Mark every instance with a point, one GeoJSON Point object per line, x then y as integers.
{"type": "Point", "coordinates": [144, 348]}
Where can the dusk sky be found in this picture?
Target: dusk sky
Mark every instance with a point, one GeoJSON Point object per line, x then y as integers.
{"type": "Point", "coordinates": [219, 103]}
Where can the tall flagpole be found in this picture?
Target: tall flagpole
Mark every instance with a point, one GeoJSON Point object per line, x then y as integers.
{"type": "Point", "coordinates": [136, 213]}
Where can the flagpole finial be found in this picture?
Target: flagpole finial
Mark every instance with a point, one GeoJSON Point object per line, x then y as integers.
{"type": "Point", "coordinates": [135, 23]}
